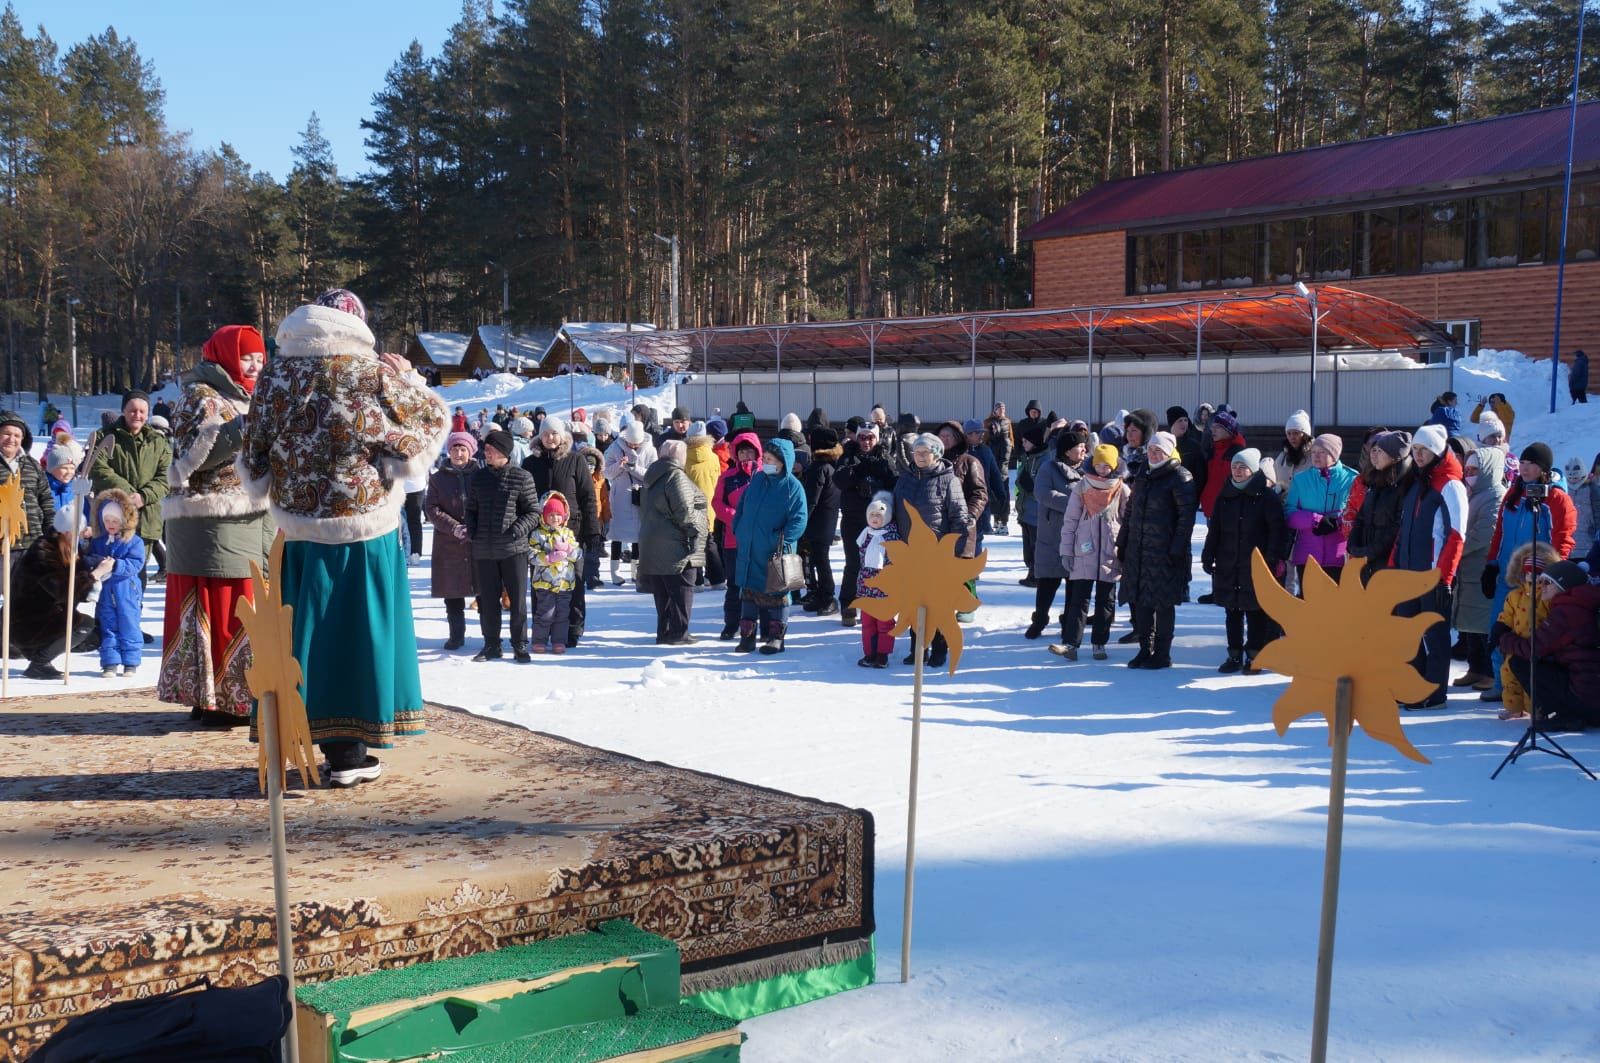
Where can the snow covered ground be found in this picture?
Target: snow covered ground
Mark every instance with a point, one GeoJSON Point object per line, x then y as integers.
{"type": "Point", "coordinates": [1113, 865]}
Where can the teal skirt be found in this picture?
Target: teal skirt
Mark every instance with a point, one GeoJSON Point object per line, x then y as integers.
{"type": "Point", "coordinates": [354, 639]}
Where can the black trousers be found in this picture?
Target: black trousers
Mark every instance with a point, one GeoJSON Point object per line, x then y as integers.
{"type": "Point", "coordinates": [1260, 626]}
{"type": "Point", "coordinates": [1552, 690]}
{"type": "Point", "coordinates": [1079, 592]}
{"type": "Point", "coordinates": [1580, 396]}
{"type": "Point", "coordinates": [414, 520]}
{"type": "Point", "coordinates": [822, 568]}
{"type": "Point", "coordinates": [1000, 505]}
{"type": "Point", "coordinates": [455, 614]}
{"type": "Point", "coordinates": [732, 608]}
{"type": "Point", "coordinates": [578, 612]}
{"type": "Point", "coordinates": [849, 531]}
{"type": "Point", "coordinates": [1477, 647]}
{"type": "Point", "coordinates": [1044, 596]}
{"type": "Point", "coordinates": [1029, 534]}
{"type": "Point", "coordinates": [713, 572]}
{"type": "Point", "coordinates": [508, 574]}
{"type": "Point", "coordinates": [674, 596]}
{"type": "Point", "coordinates": [1433, 656]}
{"type": "Point", "coordinates": [1155, 626]}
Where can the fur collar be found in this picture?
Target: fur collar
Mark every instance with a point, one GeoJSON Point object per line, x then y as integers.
{"type": "Point", "coordinates": [827, 455]}
{"type": "Point", "coordinates": [323, 332]}
{"type": "Point", "coordinates": [130, 513]}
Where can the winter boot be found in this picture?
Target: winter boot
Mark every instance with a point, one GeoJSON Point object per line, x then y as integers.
{"type": "Point", "coordinates": [1100, 653]}
{"type": "Point", "coordinates": [1065, 649]}
{"type": "Point", "coordinates": [1141, 659]}
{"type": "Point", "coordinates": [809, 602]}
{"type": "Point", "coordinates": [939, 655]}
{"type": "Point", "coordinates": [1130, 637]}
{"type": "Point", "coordinates": [880, 660]}
{"type": "Point", "coordinates": [633, 571]}
{"type": "Point", "coordinates": [869, 660]}
{"type": "Point", "coordinates": [827, 607]}
{"type": "Point", "coordinates": [774, 640]}
{"type": "Point", "coordinates": [1036, 627]}
{"type": "Point", "coordinates": [728, 632]}
{"type": "Point", "coordinates": [847, 616]}
{"type": "Point", "coordinates": [747, 637]}
{"type": "Point", "coordinates": [616, 572]}
{"type": "Point", "coordinates": [488, 653]}
{"type": "Point", "coordinates": [1234, 663]}
{"type": "Point", "coordinates": [1250, 665]}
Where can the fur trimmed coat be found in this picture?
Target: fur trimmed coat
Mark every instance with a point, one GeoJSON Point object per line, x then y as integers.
{"type": "Point", "coordinates": [334, 433]}
{"type": "Point", "coordinates": [214, 528]}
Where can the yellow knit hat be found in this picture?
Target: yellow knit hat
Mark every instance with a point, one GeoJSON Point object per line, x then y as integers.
{"type": "Point", "coordinates": [1106, 454]}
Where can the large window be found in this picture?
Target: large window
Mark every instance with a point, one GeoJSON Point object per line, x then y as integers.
{"type": "Point", "coordinates": [1502, 230]}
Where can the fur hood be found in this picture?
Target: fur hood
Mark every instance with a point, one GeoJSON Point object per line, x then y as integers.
{"type": "Point", "coordinates": [322, 332]}
{"type": "Point", "coordinates": [827, 455]}
{"type": "Point", "coordinates": [130, 512]}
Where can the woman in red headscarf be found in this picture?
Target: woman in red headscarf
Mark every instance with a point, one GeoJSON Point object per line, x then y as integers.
{"type": "Point", "coordinates": [214, 529]}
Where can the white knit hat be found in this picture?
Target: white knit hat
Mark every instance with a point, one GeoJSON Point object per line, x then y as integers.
{"type": "Point", "coordinates": [634, 433]}
{"type": "Point", "coordinates": [521, 426]}
{"type": "Point", "coordinates": [790, 423]}
{"type": "Point", "coordinates": [1490, 427]}
{"type": "Point", "coordinates": [882, 502]}
{"type": "Point", "coordinates": [1431, 437]}
{"type": "Point", "coordinates": [549, 424]}
{"type": "Point", "coordinates": [1165, 441]}
{"type": "Point", "coordinates": [66, 452]}
{"type": "Point", "coordinates": [1249, 457]}
{"type": "Point", "coordinates": [1299, 421]}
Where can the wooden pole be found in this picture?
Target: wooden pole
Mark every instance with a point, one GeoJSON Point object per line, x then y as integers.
{"type": "Point", "coordinates": [72, 591]}
{"type": "Point", "coordinates": [280, 860]}
{"type": "Point", "coordinates": [1330, 868]}
{"type": "Point", "coordinates": [919, 649]}
{"type": "Point", "coordinates": [5, 621]}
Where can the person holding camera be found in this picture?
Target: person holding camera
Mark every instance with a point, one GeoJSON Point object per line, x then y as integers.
{"type": "Point", "coordinates": [1535, 508]}
{"type": "Point", "coordinates": [1496, 404]}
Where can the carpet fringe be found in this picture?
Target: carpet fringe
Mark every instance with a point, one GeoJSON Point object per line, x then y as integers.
{"type": "Point", "coordinates": [759, 970]}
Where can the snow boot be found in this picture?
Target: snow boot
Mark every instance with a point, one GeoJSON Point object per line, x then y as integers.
{"type": "Point", "coordinates": [1234, 663]}
{"type": "Point", "coordinates": [616, 572]}
{"type": "Point", "coordinates": [488, 653]}
{"type": "Point", "coordinates": [847, 616]}
{"type": "Point", "coordinates": [880, 660]}
{"type": "Point", "coordinates": [1132, 636]}
{"type": "Point", "coordinates": [1250, 665]}
{"type": "Point", "coordinates": [1065, 649]}
{"type": "Point", "coordinates": [774, 640]}
{"type": "Point", "coordinates": [1140, 659]}
{"type": "Point", "coordinates": [938, 657]}
{"type": "Point", "coordinates": [1100, 653]}
{"type": "Point", "coordinates": [747, 637]}
{"type": "Point", "coordinates": [728, 632]}
{"type": "Point", "coordinates": [1035, 628]}
{"type": "Point", "coordinates": [827, 607]}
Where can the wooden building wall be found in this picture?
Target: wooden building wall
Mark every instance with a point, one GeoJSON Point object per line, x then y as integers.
{"type": "Point", "coordinates": [1516, 305]}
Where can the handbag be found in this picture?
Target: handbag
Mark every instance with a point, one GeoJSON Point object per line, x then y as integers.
{"type": "Point", "coordinates": [784, 573]}
{"type": "Point", "coordinates": [199, 1023]}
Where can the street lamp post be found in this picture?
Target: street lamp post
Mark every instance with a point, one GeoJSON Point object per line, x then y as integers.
{"type": "Point", "coordinates": [72, 345]}
{"type": "Point", "coordinates": [505, 309]}
{"type": "Point", "coordinates": [1310, 296]}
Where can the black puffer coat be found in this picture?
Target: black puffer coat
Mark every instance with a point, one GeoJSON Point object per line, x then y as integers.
{"type": "Point", "coordinates": [935, 494]}
{"type": "Point", "coordinates": [39, 593]}
{"type": "Point", "coordinates": [822, 499]}
{"type": "Point", "coordinates": [1377, 525]}
{"type": "Point", "coordinates": [860, 475]}
{"type": "Point", "coordinates": [1154, 542]}
{"type": "Point", "coordinates": [502, 508]}
{"type": "Point", "coordinates": [566, 471]}
{"type": "Point", "coordinates": [1245, 519]}
{"type": "Point", "coordinates": [38, 504]}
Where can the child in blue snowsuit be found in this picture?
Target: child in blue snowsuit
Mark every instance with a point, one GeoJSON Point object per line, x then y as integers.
{"type": "Point", "coordinates": [116, 554]}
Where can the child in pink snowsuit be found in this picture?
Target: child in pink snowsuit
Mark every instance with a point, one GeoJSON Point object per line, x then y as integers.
{"type": "Point", "coordinates": [876, 642]}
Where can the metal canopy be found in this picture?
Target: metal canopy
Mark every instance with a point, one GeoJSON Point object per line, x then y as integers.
{"type": "Point", "coordinates": [1274, 323]}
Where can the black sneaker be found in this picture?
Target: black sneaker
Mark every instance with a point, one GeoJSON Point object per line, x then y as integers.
{"type": "Point", "coordinates": [880, 660]}
{"type": "Point", "coordinates": [685, 640]}
{"type": "Point", "coordinates": [1436, 701]}
{"type": "Point", "coordinates": [1140, 659]}
{"type": "Point", "coordinates": [869, 661]}
{"type": "Point", "coordinates": [829, 607]}
{"type": "Point", "coordinates": [1234, 663]}
{"type": "Point", "coordinates": [488, 653]}
{"type": "Point", "coordinates": [344, 778]}
{"type": "Point", "coordinates": [521, 655]}
{"type": "Point", "coordinates": [728, 633]}
{"type": "Point", "coordinates": [454, 644]}
{"type": "Point", "coordinates": [41, 670]}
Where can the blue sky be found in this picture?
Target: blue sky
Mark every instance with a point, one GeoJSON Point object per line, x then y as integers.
{"type": "Point", "coordinates": [251, 73]}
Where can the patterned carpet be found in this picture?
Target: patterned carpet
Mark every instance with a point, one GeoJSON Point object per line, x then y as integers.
{"type": "Point", "coordinates": [134, 858]}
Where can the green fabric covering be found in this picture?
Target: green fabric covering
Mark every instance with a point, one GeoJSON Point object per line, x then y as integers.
{"type": "Point", "coordinates": [610, 1038]}
{"type": "Point", "coordinates": [354, 639]}
{"type": "Point", "coordinates": [786, 990]}
{"type": "Point", "coordinates": [611, 940]}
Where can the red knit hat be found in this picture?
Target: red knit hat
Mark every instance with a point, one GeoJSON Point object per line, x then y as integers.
{"type": "Point", "coordinates": [553, 503]}
{"type": "Point", "coordinates": [228, 346]}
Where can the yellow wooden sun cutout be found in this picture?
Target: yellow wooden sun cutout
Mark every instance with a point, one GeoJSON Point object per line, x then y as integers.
{"type": "Point", "coordinates": [270, 625]}
{"type": "Point", "coordinates": [924, 571]}
{"type": "Point", "coordinates": [1347, 629]}
{"type": "Point", "coordinates": [13, 516]}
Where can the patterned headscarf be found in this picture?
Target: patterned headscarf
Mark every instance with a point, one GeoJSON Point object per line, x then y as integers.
{"type": "Point", "coordinates": [342, 299]}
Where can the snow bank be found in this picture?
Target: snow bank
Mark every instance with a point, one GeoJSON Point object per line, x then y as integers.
{"type": "Point", "coordinates": [558, 395]}
{"type": "Point", "coordinates": [1572, 431]}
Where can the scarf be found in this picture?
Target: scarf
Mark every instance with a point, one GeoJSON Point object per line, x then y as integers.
{"type": "Point", "coordinates": [1098, 495]}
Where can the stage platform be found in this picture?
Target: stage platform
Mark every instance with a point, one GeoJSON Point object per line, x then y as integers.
{"type": "Point", "coordinates": [134, 859]}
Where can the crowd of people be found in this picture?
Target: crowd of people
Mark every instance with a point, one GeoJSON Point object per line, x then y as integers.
{"type": "Point", "coordinates": [348, 452]}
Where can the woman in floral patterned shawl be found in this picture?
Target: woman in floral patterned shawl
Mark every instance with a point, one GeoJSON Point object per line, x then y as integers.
{"type": "Point", "coordinates": [335, 431]}
{"type": "Point", "coordinates": [214, 529]}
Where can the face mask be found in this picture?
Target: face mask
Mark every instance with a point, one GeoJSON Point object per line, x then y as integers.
{"type": "Point", "coordinates": [1470, 478]}
{"type": "Point", "coordinates": [770, 468]}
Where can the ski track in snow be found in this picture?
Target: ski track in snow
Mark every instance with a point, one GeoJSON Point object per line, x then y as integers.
{"type": "Point", "coordinates": [1111, 865]}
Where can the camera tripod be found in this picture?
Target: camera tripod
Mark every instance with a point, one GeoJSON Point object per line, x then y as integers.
{"type": "Point", "coordinates": [1529, 742]}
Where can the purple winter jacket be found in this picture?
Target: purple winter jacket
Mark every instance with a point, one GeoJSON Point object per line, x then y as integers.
{"type": "Point", "coordinates": [1312, 493]}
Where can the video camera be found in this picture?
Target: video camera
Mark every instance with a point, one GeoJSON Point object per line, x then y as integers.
{"type": "Point", "coordinates": [1535, 492]}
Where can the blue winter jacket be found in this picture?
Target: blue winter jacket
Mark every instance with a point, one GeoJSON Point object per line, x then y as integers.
{"type": "Point", "coordinates": [1448, 416]}
{"type": "Point", "coordinates": [121, 596]}
{"type": "Point", "coordinates": [770, 508]}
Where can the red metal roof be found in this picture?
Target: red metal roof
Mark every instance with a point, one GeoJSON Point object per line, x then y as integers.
{"type": "Point", "coordinates": [1467, 156]}
{"type": "Point", "coordinates": [1273, 322]}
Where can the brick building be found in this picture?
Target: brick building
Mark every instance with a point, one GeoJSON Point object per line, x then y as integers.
{"type": "Point", "coordinates": [1459, 223]}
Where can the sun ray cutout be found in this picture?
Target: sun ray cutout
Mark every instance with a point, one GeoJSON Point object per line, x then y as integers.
{"type": "Point", "coordinates": [1347, 629]}
{"type": "Point", "coordinates": [924, 571]}
{"type": "Point", "coordinates": [270, 625]}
